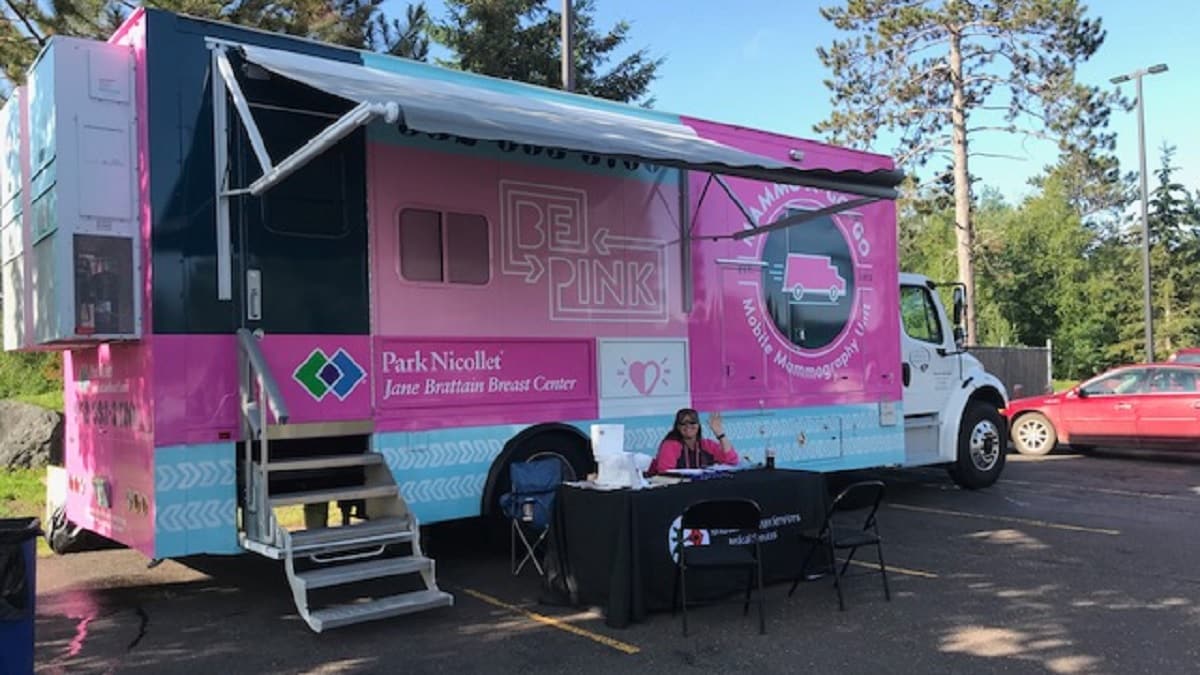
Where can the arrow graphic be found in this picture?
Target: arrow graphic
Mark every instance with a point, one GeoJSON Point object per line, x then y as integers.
{"type": "Point", "coordinates": [603, 241]}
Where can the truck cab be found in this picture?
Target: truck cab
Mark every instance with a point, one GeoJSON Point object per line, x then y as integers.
{"type": "Point", "coordinates": [951, 403]}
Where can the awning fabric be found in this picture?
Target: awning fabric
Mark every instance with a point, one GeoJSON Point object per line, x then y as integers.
{"type": "Point", "coordinates": [441, 107]}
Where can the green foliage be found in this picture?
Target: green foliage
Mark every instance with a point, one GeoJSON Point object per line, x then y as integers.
{"type": "Point", "coordinates": [939, 74]}
{"type": "Point", "coordinates": [895, 72]}
{"type": "Point", "coordinates": [520, 40]}
{"type": "Point", "coordinates": [1174, 219]}
{"type": "Point", "coordinates": [1048, 273]}
{"type": "Point", "coordinates": [28, 24]}
{"type": "Point", "coordinates": [30, 374]}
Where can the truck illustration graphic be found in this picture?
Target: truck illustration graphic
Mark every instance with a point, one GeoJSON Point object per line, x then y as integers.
{"type": "Point", "coordinates": [814, 276]}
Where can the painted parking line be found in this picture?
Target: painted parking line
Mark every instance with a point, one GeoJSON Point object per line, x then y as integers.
{"type": "Point", "coordinates": [1008, 519]}
{"type": "Point", "coordinates": [898, 570]}
{"type": "Point", "coordinates": [555, 623]}
{"type": "Point", "coordinates": [1107, 491]}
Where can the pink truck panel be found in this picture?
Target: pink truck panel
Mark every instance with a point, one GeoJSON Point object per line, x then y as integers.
{"type": "Point", "coordinates": [754, 343]}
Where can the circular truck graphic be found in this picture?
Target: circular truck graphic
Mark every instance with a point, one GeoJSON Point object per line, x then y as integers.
{"type": "Point", "coordinates": [808, 282]}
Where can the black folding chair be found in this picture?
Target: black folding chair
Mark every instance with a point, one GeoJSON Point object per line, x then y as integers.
{"type": "Point", "coordinates": [835, 534]}
{"type": "Point", "coordinates": [742, 515]}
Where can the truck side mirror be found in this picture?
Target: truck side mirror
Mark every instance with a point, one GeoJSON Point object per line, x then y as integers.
{"type": "Point", "coordinates": [960, 337]}
{"type": "Point", "coordinates": [960, 303]}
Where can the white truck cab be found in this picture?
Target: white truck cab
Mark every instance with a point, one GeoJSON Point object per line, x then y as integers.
{"type": "Point", "coordinates": [951, 403]}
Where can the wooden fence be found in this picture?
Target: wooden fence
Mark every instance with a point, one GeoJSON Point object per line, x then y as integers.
{"type": "Point", "coordinates": [1025, 371]}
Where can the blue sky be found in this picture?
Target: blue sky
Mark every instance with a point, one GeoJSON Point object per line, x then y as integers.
{"type": "Point", "coordinates": [754, 63]}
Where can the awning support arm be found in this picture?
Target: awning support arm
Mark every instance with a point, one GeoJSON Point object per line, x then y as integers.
{"type": "Point", "coordinates": [221, 171]}
{"type": "Point", "coordinates": [358, 116]}
{"type": "Point", "coordinates": [227, 83]}
{"type": "Point", "coordinates": [803, 217]}
{"type": "Point", "coordinates": [239, 101]}
{"type": "Point", "coordinates": [737, 202]}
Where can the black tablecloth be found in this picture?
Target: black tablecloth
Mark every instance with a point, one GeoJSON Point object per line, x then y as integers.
{"type": "Point", "coordinates": [614, 548]}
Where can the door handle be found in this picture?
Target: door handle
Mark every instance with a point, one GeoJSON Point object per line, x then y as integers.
{"type": "Point", "coordinates": [254, 295]}
{"type": "Point", "coordinates": [1123, 406]}
{"type": "Point", "coordinates": [906, 373]}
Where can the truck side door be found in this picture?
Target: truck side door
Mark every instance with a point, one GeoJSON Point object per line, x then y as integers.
{"type": "Point", "coordinates": [928, 363]}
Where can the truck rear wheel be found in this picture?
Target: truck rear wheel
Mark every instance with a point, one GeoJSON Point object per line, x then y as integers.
{"type": "Point", "coordinates": [981, 447]}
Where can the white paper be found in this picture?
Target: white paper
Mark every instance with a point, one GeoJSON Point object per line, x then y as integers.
{"type": "Point", "coordinates": [608, 439]}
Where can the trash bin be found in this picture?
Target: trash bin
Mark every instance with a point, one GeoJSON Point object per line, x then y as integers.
{"type": "Point", "coordinates": [18, 590]}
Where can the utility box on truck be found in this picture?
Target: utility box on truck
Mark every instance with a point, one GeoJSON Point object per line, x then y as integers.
{"type": "Point", "coordinates": [72, 258]}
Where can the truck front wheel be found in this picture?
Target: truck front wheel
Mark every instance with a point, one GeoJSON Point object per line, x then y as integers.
{"type": "Point", "coordinates": [981, 447]}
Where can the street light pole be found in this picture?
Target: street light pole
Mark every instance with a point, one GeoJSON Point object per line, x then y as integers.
{"type": "Point", "coordinates": [1147, 300]}
{"type": "Point", "coordinates": [568, 46]}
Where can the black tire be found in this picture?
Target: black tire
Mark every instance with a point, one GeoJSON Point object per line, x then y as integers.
{"type": "Point", "coordinates": [64, 536]}
{"type": "Point", "coordinates": [1034, 435]}
{"type": "Point", "coordinates": [981, 447]}
{"type": "Point", "coordinates": [572, 448]}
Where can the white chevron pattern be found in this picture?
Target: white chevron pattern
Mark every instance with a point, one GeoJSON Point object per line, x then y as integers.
{"type": "Point", "coordinates": [444, 489]}
{"type": "Point", "coordinates": [202, 515]}
{"type": "Point", "coordinates": [643, 439]}
{"type": "Point", "coordinates": [188, 475]}
{"type": "Point", "coordinates": [436, 455]}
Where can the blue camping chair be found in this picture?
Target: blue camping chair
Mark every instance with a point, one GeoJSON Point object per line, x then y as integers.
{"type": "Point", "coordinates": [529, 507]}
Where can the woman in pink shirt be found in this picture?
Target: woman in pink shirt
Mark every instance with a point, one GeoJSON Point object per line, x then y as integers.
{"type": "Point", "coordinates": [685, 447]}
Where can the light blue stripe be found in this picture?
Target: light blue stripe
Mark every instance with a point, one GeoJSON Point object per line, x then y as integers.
{"type": "Point", "coordinates": [442, 473]}
{"type": "Point", "coordinates": [195, 488]}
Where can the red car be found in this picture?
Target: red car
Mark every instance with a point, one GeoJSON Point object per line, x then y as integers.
{"type": "Point", "coordinates": [1149, 407]}
{"type": "Point", "coordinates": [1186, 355]}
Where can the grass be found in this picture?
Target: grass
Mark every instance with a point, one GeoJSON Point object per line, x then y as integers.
{"type": "Point", "coordinates": [1063, 385]}
{"type": "Point", "coordinates": [23, 494]}
{"type": "Point", "coordinates": [51, 399]}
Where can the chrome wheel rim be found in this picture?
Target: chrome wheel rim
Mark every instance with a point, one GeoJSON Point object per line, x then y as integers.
{"type": "Point", "coordinates": [985, 454]}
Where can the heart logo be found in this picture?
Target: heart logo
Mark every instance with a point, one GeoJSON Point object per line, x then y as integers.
{"type": "Point", "coordinates": [644, 375]}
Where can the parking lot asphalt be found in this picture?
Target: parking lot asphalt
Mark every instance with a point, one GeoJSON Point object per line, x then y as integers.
{"type": "Point", "coordinates": [1070, 564]}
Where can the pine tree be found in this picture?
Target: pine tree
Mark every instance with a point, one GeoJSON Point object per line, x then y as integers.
{"type": "Point", "coordinates": [1174, 220]}
{"type": "Point", "coordinates": [940, 73]}
{"type": "Point", "coordinates": [520, 40]}
{"type": "Point", "coordinates": [360, 24]}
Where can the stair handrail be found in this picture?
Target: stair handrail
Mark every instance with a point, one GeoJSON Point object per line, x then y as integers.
{"type": "Point", "coordinates": [266, 380]}
{"type": "Point", "coordinates": [253, 369]}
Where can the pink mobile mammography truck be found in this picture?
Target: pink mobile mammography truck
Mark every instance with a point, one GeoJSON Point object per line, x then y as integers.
{"type": "Point", "coordinates": [286, 273]}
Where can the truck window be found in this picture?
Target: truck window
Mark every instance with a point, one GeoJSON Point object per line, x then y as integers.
{"type": "Point", "coordinates": [919, 314]}
{"type": "Point", "coordinates": [444, 247]}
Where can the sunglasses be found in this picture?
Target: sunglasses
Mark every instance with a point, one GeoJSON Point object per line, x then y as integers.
{"type": "Point", "coordinates": [689, 423]}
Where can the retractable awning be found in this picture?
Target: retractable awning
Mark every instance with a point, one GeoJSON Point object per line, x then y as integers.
{"type": "Point", "coordinates": [440, 106]}
{"type": "Point", "coordinates": [444, 107]}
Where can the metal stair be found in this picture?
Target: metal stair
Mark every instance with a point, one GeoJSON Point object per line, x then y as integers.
{"type": "Point", "coordinates": [372, 566]}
